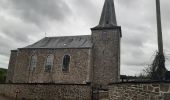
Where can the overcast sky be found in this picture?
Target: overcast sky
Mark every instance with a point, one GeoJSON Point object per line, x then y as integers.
{"type": "Point", "coordinates": [23, 22]}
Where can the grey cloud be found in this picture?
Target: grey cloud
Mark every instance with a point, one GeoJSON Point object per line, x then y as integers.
{"type": "Point", "coordinates": [3, 4]}
{"type": "Point", "coordinates": [17, 30]}
{"type": "Point", "coordinates": [131, 70]}
{"type": "Point", "coordinates": [134, 56]}
{"type": "Point", "coordinates": [127, 3]}
{"type": "Point", "coordinates": [15, 34]}
{"type": "Point", "coordinates": [39, 11]}
{"type": "Point", "coordinates": [4, 61]}
{"type": "Point", "coordinates": [134, 38]}
{"type": "Point", "coordinates": [4, 50]}
{"type": "Point", "coordinates": [87, 10]}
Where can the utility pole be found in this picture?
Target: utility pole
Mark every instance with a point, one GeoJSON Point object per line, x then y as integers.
{"type": "Point", "coordinates": [158, 66]}
{"type": "Point", "coordinates": [159, 28]}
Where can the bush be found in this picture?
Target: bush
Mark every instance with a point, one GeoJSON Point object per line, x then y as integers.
{"type": "Point", "coordinates": [3, 73]}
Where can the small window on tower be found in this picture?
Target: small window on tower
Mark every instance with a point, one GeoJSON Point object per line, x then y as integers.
{"type": "Point", "coordinates": [49, 63]}
{"type": "Point", "coordinates": [33, 62]}
{"type": "Point", "coordinates": [107, 22]}
{"type": "Point", "coordinates": [66, 62]}
{"type": "Point", "coordinates": [104, 36]}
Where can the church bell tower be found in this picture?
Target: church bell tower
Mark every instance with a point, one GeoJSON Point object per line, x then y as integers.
{"type": "Point", "coordinates": [106, 50]}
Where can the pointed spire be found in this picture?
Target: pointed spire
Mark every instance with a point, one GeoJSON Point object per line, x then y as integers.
{"type": "Point", "coordinates": [108, 17]}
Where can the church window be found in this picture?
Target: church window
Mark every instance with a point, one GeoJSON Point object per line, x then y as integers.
{"type": "Point", "coordinates": [49, 63]}
{"type": "Point", "coordinates": [66, 61]}
{"type": "Point", "coordinates": [33, 62]}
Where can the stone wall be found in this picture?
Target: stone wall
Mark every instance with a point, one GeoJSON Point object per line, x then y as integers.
{"type": "Point", "coordinates": [80, 68]}
{"type": "Point", "coordinates": [11, 66]}
{"type": "Point", "coordinates": [140, 91]}
{"type": "Point", "coordinates": [47, 91]}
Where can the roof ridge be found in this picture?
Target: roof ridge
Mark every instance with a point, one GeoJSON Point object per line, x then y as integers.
{"type": "Point", "coordinates": [67, 36]}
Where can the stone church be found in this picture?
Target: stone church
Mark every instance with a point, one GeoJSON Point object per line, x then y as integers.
{"type": "Point", "coordinates": [85, 59]}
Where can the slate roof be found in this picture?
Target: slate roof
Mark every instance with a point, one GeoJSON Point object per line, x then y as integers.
{"type": "Point", "coordinates": [63, 42]}
{"type": "Point", "coordinates": [108, 16]}
{"type": "Point", "coordinates": [108, 13]}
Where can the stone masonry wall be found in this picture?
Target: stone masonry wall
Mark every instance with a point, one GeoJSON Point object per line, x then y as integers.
{"type": "Point", "coordinates": [79, 67]}
{"type": "Point", "coordinates": [140, 91]}
{"type": "Point", "coordinates": [46, 91]}
{"type": "Point", "coordinates": [11, 66]}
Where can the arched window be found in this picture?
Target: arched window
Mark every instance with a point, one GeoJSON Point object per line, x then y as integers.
{"type": "Point", "coordinates": [49, 63]}
{"type": "Point", "coordinates": [33, 62]}
{"type": "Point", "coordinates": [66, 61]}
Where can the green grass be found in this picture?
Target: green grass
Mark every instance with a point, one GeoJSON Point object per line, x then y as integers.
{"type": "Point", "coordinates": [3, 73]}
